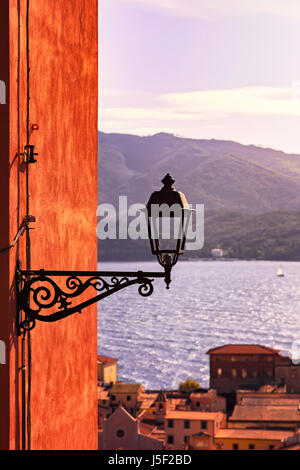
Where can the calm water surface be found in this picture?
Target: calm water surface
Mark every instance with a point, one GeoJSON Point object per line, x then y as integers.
{"type": "Point", "coordinates": [162, 340]}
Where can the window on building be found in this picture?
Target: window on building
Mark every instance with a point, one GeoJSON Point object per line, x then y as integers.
{"type": "Point", "coordinates": [160, 407]}
{"type": "Point", "coordinates": [113, 397]}
{"type": "Point", "coordinates": [170, 439]}
{"type": "Point", "coordinates": [233, 372]}
{"type": "Point", "coordinates": [235, 446]}
{"type": "Point", "coordinates": [219, 372]}
{"type": "Point", "coordinates": [269, 359]}
{"type": "Point", "coordinates": [233, 358]}
{"type": "Point", "coordinates": [186, 424]}
{"type": "Point", "coordinates": [170, 423]}
{"type": "Point", "coordinates": [244, 373]}
{"type": "Point", "coordinates": [254, 373]}
{"type": "Point", "coordinates": [203, 424]}
{"type": "Point", "coordinates": [271, 447]}
{"type": "Point", "coordinates": [128, 398]}
{"type": "Point", "coordinates": [198, 404]}
{"type": "Point", "coordinates": [251, 446]}
{"type": "Point", "coordinates": [245, 359]}
{"type": "Point", "coordinates": [185, 439]}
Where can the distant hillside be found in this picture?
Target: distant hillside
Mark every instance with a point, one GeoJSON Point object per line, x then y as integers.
{"type": "Point", "coordinates": [223, 175]}
{"type": "Point", "coordinates": [272, 236]}
{"type": "Point", "coordinates": [251, 195]}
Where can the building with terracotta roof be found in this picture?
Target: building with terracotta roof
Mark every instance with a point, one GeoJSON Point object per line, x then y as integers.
{"type": "Point", "coordinates": [147, 400]}
{"type": "Point", "coordinates": [289, 375]}
{"type": "Point", "coordinates": [129, 395]}
{"type": "Point", "coordinates": [122, 431]}
{"type": "Point", "coordinates": [248, 398]}
{"type": "Point", "coordinates": [181, 425]}
{"type": "Point", "coordinates": [207, 401]}
{"type": "Point", "coordinates": [150, 425]}
{"type": "Point", "coordinates": [265, 416]}
{"type": "Point", "coordinates": [251, 439]}
{"type": "Point", "coordinates": [162, 406]}
{"type": "Point", "coordinates": [107, 369]}
{"type": "Point", "coordinates": [235, 366]}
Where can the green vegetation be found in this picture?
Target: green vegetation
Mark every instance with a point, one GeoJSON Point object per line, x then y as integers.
{"type": "Point", "coordinates": [269, 236]}
{"type": "Point", "coordinates": [188, 386]}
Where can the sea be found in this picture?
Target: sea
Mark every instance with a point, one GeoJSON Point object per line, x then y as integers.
{"type": "Point", "coordinates": [163, 339]}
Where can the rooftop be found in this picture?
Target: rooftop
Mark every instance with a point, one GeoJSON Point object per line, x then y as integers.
{"type": "Point", "coordinates": [265, 413]}
{"type": "Point", "coordinates": [194, 415]}
{"type": "Point", "coordinates": [106, 360]}
{"type": "Point", "coordinates": [125, 388]}
{"type": "Point", "coordinates": [243, 349]}
{"type": "Point", "coordinates": [211, 393]}
{"type": "Point", "coordinates": [147, 400]}
{"type": "Point", "coordinates": [253, 434]}
{"type": "Point", "coordinates": [270, 401]}
{"type": "Point", "coordinates": [149, 426]}
{"type": "Point", "coordinates": [146, 428]}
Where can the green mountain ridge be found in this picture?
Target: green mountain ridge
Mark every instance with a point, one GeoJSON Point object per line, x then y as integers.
{"type": "Point", "coordinates": [270, 236]}
{"type": "Point", "coordinates": [251, 195]}
{"type": "Point", "coordinates": [220, 174]}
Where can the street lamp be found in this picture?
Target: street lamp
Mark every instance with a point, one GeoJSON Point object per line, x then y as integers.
{"type": "Point", "coordinates": [168, 215]}
{"type": "Point", "coordinates": [49, 296]}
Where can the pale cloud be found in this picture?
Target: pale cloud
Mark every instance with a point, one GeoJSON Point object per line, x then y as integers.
{"type": "Point", "coordinates": [117, 93]}
{"type": "Point", "coordinates": [251, 115]}
{"type": "Point", "coordinates": [151, 114]}
{"type": "Point", "coordinates": [116, 98]}
{"type": "Point", "coordinates": [200, 105]}
{"type": "Point", "coordinates": [264, 53]}
{"type": "Point", "coordinates": [246, 100]}
{"type": "Point", "coordinates": [209, 8]}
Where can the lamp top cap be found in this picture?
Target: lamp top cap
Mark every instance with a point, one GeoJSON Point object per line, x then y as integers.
{"type": "Point", "coordinates": [167, 195]}
{"type": "Point", "coordinates": [168, 181]}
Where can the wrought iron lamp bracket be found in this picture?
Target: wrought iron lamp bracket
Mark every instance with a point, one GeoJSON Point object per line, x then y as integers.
{"type": "Point", "coordinates": [39, 292]}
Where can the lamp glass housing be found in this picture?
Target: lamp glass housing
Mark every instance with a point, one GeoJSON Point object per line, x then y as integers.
{"type": "Point", "coordinates": [168, 221]}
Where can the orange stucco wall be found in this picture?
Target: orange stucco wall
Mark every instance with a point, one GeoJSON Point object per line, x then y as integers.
{"type": "Point", "coordinates": [244, 444]}
{"type": "Point", "coordinates": [63, 198]}
{"type": "Point", "coordinates": [4, 235]}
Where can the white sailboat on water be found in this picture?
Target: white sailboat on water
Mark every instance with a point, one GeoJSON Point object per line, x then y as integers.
{"type": "Point", "coordinates": [280, 273]}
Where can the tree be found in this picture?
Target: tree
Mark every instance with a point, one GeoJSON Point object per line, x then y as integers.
{"type": "Point", "coordinates": [188, 386]}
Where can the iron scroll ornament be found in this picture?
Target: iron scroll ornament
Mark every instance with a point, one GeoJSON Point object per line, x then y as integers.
{"type": "Point", "coordinates": [37, 291]}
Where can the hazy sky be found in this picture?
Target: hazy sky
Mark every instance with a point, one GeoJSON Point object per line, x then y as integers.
{"type": "Point", "coordinates": [222, 69]}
